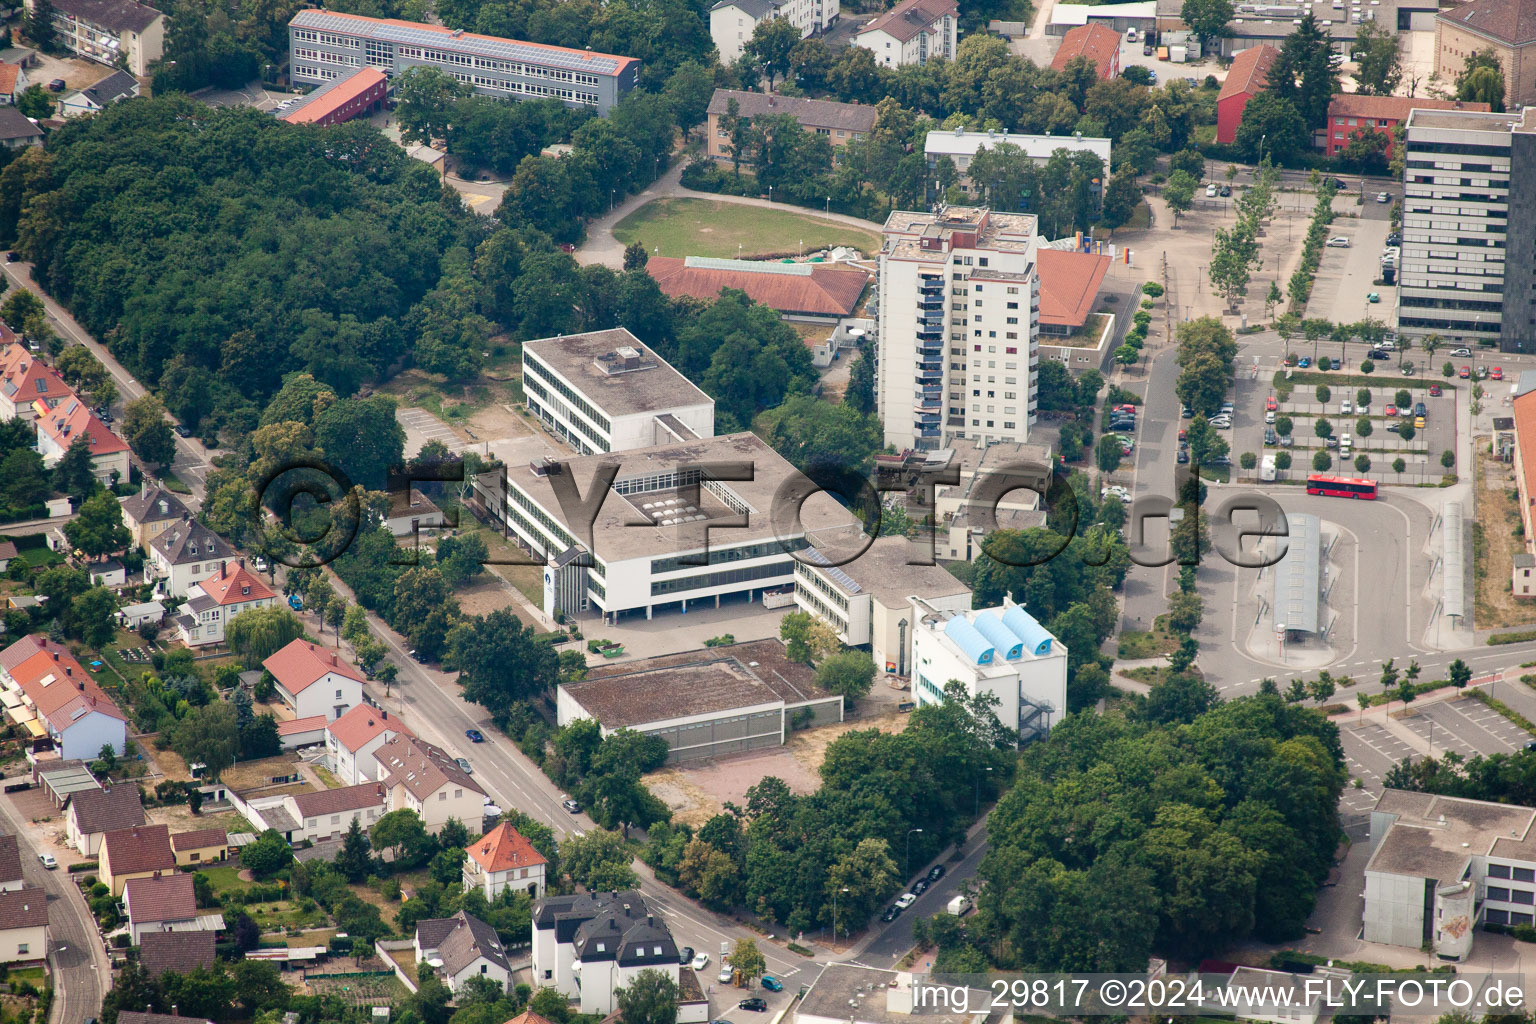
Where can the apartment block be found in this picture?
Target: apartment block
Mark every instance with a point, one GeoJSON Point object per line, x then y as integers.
{"type": "Point", "coordinates": [326, 45]}
{"type": "Point", "coordinates": [959, 315]}
{"type": "Point", "coordinates": [106, 30]}
{"type": "Point", "coordinates": [732, 22]}
{"type": "Point", "coordinates": [913, 32]}
{"type": "Point", "coordinates": [1458, 182]}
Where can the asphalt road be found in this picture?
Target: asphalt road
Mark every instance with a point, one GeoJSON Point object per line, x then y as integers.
{"type": "Point", "coordinates": [191, 463]}
{"type": "Point", "coordinates": [80, 966]}
{"type": "Point", "coordinates": [883, 948]}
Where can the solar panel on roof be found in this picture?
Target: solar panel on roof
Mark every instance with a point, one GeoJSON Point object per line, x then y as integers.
{"type": "Point", "coordinates": [485, 46]}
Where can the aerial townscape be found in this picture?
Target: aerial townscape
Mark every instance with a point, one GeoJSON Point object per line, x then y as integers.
{"type": "Point", "coordinates": [784, 511]}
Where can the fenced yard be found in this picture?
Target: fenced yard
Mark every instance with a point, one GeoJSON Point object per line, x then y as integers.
{"type": "Point", "coordinates": [364, 988]}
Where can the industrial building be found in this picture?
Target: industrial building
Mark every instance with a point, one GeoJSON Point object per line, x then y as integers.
{"type": "Point", "coordinates": [1298, 578]}
{"type": "Point", "coordinates": [1002, 651]}
{"type": "Point", "coordinates": [1442, 866]}
{"type": "Point", "coordinates": [605, 391]}
{"type": "Point", "coordinates": [326, 45]}
{"type": "Point", "coordinates": [707, 519]}
{"type": "Point", "coordinates": [869, 600]}
{"type": "Point", "coordinates": [958, 325]}
{"type": "Point", "coordinates": [704, 703]}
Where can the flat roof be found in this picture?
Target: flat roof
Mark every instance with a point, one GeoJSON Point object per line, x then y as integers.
{"type": "Point", "coordinates": [618, 386]}
{"type": "Point", "coordinates": [1463, 120]}
{"type": "Point", "coordinates": [904, 230]}
{"type": "Point", "coordinates": [1298, 575]}
{"type": "Point", "coordinates": [1434, 836]}
{"type": "Point", "coordinates": [862, 994]}
{"type": "Point", "coordinates": [696, 682]}
{"type": "Point", "coordinates": [959, 142]}
{"type": "Point", "coordinates": [885, 571]}
{"type": "Point", "coordinates": [649, 475]}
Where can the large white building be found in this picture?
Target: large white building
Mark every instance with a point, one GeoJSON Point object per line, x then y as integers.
{"type": "Point", "coordinates": [959, 320]}
{"type": "Point", "coordinates": [674, 528]}
{"type": "Point", "coordinates": [588, 945]}
{"type": "Point", "coordinates": [732, 22]}
{"type": "Point", "coordinates": [912, 32]}
{"type": "Point", "coordinates": [961, 147]}
{"type": "Point", "coordinates": [870, 600]}
{"type": "Point", "coordinates": [1002, 651]}
{"type": "Point", "coordinates": [604, 391]}
{"type": "Point", "coordinates": [1456, 210]}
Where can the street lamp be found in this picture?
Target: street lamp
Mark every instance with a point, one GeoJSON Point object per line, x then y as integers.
{"type": "Point", "coordinates": [770, 194]}
{"type": "Point", "coordinates": [909, 851]}
{"type": "Point", "coordinates": [612, 195]}
{"type": "Point", "coordinates": [834, 911]}
{"type": "Point", "coordinates": [977, 812]}
{"type": "Point", "coordinates": [829, 206]}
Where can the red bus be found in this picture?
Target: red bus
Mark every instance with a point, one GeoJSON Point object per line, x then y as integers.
{"type": "Point", "coordinates": [1341, 486]}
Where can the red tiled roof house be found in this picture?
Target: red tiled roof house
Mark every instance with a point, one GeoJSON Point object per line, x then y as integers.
{"type": "Point", "coordinates": [63, 425]}
{"type": "Point", "coordinates": [166, 903]}
{"type": "Point", "coordinates": [504, 859]}
{"type": "Point", "coordinates": [24, 381]}
{"type": "Point", "coordinates": [212, 603]}
{"type": "Point", "coordinates": [313, 681]}
{"type": "Point", "coordinates": [1101, 45]}
{"type": "Point", "coordinates": [49, 694]}
{"type": "Point", "coordinates": [351, 740]}
{"type": "Point", "coordinates": [143, 851]}
{"type": "Point", "coordinates": [1352, 112]}
{"type": "Point", "coordinates": [1248, 76]}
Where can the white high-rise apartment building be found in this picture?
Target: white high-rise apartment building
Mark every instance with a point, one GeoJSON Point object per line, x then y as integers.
{"type": "Point", "coordinates": [959, 319]}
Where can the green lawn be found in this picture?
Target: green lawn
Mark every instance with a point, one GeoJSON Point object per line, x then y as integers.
{"type": "Point", "coordinates": [225, 878]}
{"type": "Point", "coordinates": [173, 482]}
{"type": "Point", "coordinates": [706, 227]}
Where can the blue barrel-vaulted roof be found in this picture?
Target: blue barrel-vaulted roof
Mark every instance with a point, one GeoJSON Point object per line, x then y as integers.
{"type": "Point", "coordinates": [1037, 639]}
{"type": "Point", "coordinates": [976, 647]}
{"type": "Point", "coordinates": [990, 625]}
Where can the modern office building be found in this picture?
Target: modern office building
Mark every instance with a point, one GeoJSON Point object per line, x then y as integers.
{"type": "Point", "coordinates": [913, 32]}
{"type": "Point", "coordinates": [605, 391]}
{"type": "Point", "coordinates": [958, 327]}
{"type": "Point", "coordinates": [732, 22]}
{"type": "Point", "coordinates": [869, 600]}
{"type": "Point", "coordinates": [326, 45]}
{"type": "Point", "coordinates": [1461, 168]}
{"type": "Point", "coordinates": [961, 146]}
{"type": "Point", "coordinates": [108, 30]}
{"type": "Point", "coordinates": [707, 519]}
{"type": "Point", "coordinates": [1002, 651]}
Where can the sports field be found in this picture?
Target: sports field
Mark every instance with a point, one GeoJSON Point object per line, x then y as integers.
{"type": "Point", "coordinates": [707, 227]}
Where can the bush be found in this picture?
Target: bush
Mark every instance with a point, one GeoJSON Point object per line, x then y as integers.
{"type": "Point", "coordinates": [1323, 392]}
{"type": "Point", "coordinates": [1248, 460]}
{"type": "Point", "coordinates": [1366, 366]}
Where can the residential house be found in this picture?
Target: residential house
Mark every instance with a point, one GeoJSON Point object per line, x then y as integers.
{"type": "Point", "coordinates": [201, 846]}
{"type": "Point", "coordinates": [184, 553]}
{"type": "Point", "coordinates": [912, 32]}
{"type": "Point", "coordinates": [109, 31]}
{"type": "Point", "coordinates": [1246, 78]}
{"type": "Point", "coordinates": [214, 602]}
{"type": "Point", "coordinates": [107, 573]}
{"type": "Point", "coordinates": [13, 82]}
{"type": "Point", "coordinates": [840, 123]}
{"type": "Point", "coordinates": [467, 947]}
{"type": "Point", "coordinates": [313, 681]}
{"type": "Point", "coordinates": [350, 742]}
{"type": "Point", "coordinates": [1098, 43]}
{"type": "Point", "coordinates": [114, 88]}
{"type": "Point", "coordinates": [165, 903]}
{"type": "Point", "coordinates": [329, 813]}
{"type": "Point", "coordinates": [151, 512]}
{"type": "Point", "coordinates": [49, 694]}
{"type": "Point", "coordinates": [588, 945]}
{"type": "Point", "coordinates": [143, 851]}
{"type": "Point", "coordinates": [1507, 27]}
{"type": "Point", "coordinates": [504, 859]}
{"type": "Point", "coordinates": [95, 812]}
{"type": "Point", "coordinates": [177, 952]}
{"type": "Point", "coordinates": [17, 130]}
{"type": "Point", "coordinates": [1350, 113]}
{"type": "Point", "coordinates": [23, 925]}
{"type": "Point", "coordinates": [24, 381]}
{"type": "Point", "coordinates": [64, 424]}
{"type": "Point", "coordinates": [420, 777]}
{"type": "Point", "coordinates": [10, 864]}
{"type": "Point", "coordinates": [7, 552]}
{"type": "Point", "coordinates": [732, 22]}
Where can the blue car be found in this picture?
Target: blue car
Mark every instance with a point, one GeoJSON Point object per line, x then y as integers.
{"type": "Point", "coordinates": [474, 735]}
{"type": "Point", "coordinates": [1304, 362]}
{"type": "Point", "coordinates": [772, 984]}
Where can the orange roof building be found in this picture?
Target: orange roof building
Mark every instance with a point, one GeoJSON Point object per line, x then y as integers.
{"type": "Point", "coordinates": [51, 696]}
{"type": "Point", "coordinates": [1524, 407]}
{"type": "Point", "coordinates": [1069, 286]}
{"type": "Point", "coordinates": [341, 99]}
{"type": "Point", "coordinates": [351, 740]}
{"type": "Point", "coordinates": [1248, 76]}
{"type": "Point", "coordinates": [61, 425]}
{"type": "Point", "coordinates": [820, 290]}
{"type": "Point", "coordinates": [313, 680]}
{"type": "Point", "coordinates": [1349, 113]}
{"type": "Point", "coordinates": [213, 602]}
{"type": "Point", "coordinates": [1098, 43]}
{"type": "Point", "coordinates": [24, 381]}
{"type": "Point", "coordinates": [504, 859]}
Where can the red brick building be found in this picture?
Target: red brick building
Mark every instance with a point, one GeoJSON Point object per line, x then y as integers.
{"type": "Point", "coordinates": [1248, 76]}
{"type": "Point", "coordinates": [1350, 112]}
{"type": "Point", "coordinates": [1098, 43]}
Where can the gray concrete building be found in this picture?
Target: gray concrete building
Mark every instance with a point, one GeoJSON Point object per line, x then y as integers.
{"type": "Point", "coordinates": [326, 44]}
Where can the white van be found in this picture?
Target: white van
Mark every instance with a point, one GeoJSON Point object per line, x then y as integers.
{"type": "Point", "coordinates": [1130, 34]}
{"type": "Point", "coordinates": [1344, 445]}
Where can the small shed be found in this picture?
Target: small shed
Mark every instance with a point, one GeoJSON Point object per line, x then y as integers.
{"type": "Point", "coordinates": [135, 615]}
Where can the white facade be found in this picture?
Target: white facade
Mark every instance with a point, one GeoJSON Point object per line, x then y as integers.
{"type": "Point", "coordinates": [83, 737]}
{"type": "Point", "coordinates": [913, 32]}
{"type": "Point", "coordinates": [1456, 205]}
{"type": "Point", "coordinates": [732, 22]}
{"type": "Point", "coordinates": [18, 945]}
{"type": "Point", "coordinates": [959, 325]}
{"type": "Point", "coordinates": [961, 147]}
{"type": "Point", "coordinates": [1002, 651]}
{"type": "Point", "coordinates": [209, 618]}
{"type": "Point", "coordinates": [589, 945]}
{"type": "Point", "coordinates": [324, 696]}
{"type": "Point", "coordinates": [351, 740]}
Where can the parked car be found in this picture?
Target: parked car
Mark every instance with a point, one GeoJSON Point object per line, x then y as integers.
{"type": "Point", "coordinates": [1183, 456]}
{"type": "Point", "coordinates": [463, 764]}
{"type": "Point", "coordinates": [182, 430]}
{"type": "Point", "coordinates": [12, 257]}
{"type": "Point", "coordinates": [1418, 422]}
{"type": "Point", "coordinates": [1269, 417]}
{"type": "Point", "coordinates": [1394, 427]}
{"type": "Point", "coordinates": [1461, 352]}
{"type": "Point", "coordinates": [1420, 409]}
{"type": "Point", "coordinates": [726, 975]}
{"type": "Point", "coordinates": [905, 900]}
{"type": "Point", "coordinates": [1498, 373]}
{"type": "Point", "coordinates": [1337, 183]}
{"type": "Point", "coordinates": [1226, 190]}
{"type": "Point", "coordinates": [772, 984]}
{"type": "Point", "coordinates": [1372, 297]}
{"type": "Point", "coordinates": [1391, 410]}
{"type": "Point", "coordinates": [1187, 413]}
{"type": "Point", "coordinates": [757, 1004]}
{"type": "Point", "coordinates": [1286, 440]}
{"type": "Point", "coordinates": [1270, 405]}
{"type": "Point", "coordinates": [1435, 391]}
{"type": "Point", "coordinates": [57, 85]}
{"type": "Point", "coordinates": [1330, 442]}
{"type": "Point", "coordinates": [1270, 437]}
{"type": "Point", "coordinates": [1346, 407]}
{"type": "Point", "coordinates": [1383, 197]}
{"type": "Point", "coordinates": [936, 872]}
{"type": "Point", "coordinates": [1227, 409]}
{"type": "Point", "coordinates": [919, 887]}
{"type": "Point", "coordinates": [685, 955]}
{"type": "Point", "coordinates": [1394, 239]}
{"type": "Point", "coordinates": [1377, 354]}
{"type": "Point", "coordinates": [49, 860]}
{"type": "Point", "coordinates": [475, 735]}
{"type": "Point", "coordinates": [1147, 50]}
{"type": "Point", "coordinates": [1211, 191]}
{"type": "Point", "coordinates": [1338, 242]}
{"type": "Point", "coordinates": [1304, 362]}
{"type": "Point", "coordinates": [1466, 373]}
{"type": "Point", "coordinates": [891, 913]}
{"type": "Point", "coordinates": [701, 961]}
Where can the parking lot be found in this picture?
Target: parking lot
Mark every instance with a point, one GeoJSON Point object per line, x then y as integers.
{"type": "Point", "coordinates": [421, 426]}
{"type": "Point", "coordinates": [1346, 276]}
